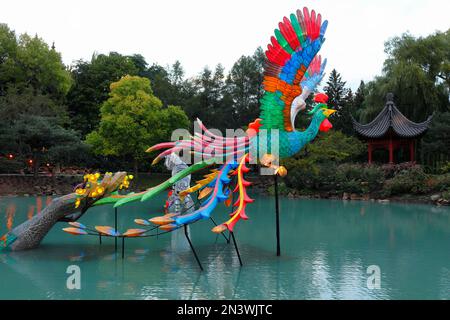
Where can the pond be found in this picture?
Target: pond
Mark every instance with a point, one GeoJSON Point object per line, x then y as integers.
{"type": "Point", "coordinates": [328, 248]}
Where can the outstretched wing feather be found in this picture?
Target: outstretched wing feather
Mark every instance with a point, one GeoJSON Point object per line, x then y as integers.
{"type": "Point", "coordinates": [289, 57]}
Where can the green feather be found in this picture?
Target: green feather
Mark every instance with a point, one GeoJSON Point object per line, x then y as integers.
{"type": "Point", "coordinates": [180, 175]}
{"type": "Point", "coordinates": [272, 110]}
{"type": "Point", "coordinates": [110, 200]}
{"type": "Point", "coordinates": [317, 107]}
{"type": "Point", "coordinates": [297, 29]}
{"type": "Point", "coordinates": [282, 41]}
{"type": "Point", "coordinates": [128, 199]}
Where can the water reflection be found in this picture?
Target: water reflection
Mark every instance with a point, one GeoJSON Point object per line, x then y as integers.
{"type": "Point", "coordinates": [326, 249]}
{"type": "Point", "coordinates": [10, 212]}
{"type": "Point", "coordinates": [30, 212]}
{"type": "Point", "coordinates": [38, 204]}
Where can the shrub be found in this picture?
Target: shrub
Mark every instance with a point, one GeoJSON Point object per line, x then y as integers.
{"type": "Point", "coordinates": [446, 195]}
{"type": "Point", "coordinates": [11, 165]}
{"type": "Point", "coordinates": [413, 180]}
{"type": "Point", "coordinates": [440, 182]}
{"type": "Point", "coordinates": [316, 169]}
{"type": "Point", "coordinates": [390, 170]}
{"type": "Point", "coordinates": [282, 189]}
{"type": "Point", "coordinates": [356, 178]}
{"type": "Point", "coordinates": [445, 168]}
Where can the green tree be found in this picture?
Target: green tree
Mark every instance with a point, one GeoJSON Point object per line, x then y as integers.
{"type": "Point", "coordinates": [417, 71]}
{"type": "Point", "coordinates": [132, 119]}
{"type": "Point", "coordinates": [92, 81]}
{"type": "Point", "coordinates": [207, 105]}
{"type": "Point", "coordinates": [32, 128]}
{"type": "Point", "coordinates": [161, 85]}
{"type": "Point", "coordinates": [169, 84]}
{"type": "Point", "coordinates": [340, 99]}
{"type": "Point", "coordinates": [358, 100]}
{"type": "Point", "coordinates": [29, 62]}
{"type": "Point", "coordinates": [176, 74]}
{"type": "Point", "coordinates": [244, 85]}
{"type": "Point", "coordinates": [140, 64]}
{"type": "Point", "coordinates": [436, 143]}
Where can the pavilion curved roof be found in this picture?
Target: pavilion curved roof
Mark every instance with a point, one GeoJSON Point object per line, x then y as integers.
{"type": "Point", "coordinates": [391, 118]}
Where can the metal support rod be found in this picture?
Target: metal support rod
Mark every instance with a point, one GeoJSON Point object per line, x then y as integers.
{"type": "Point", "coordinates": [115, 227]}
{"type": "Point", "coordinates": [123, 247]}
{"type": "Point", "coordinates": [236, 247]}
{"type": "Point", "coordinates": [231, 211]}
{"type": "Point", "coordinates": [192, 247]}
{"type": "Point", "coordinates": [100, 238]}
{"type": "Point", "coordinates": [228, 240]}
{"type": "Point", "coordinates": [277, 214]}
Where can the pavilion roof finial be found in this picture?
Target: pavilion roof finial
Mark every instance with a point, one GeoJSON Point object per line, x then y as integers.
{"type": "Point", "coordinates": [390, 97]}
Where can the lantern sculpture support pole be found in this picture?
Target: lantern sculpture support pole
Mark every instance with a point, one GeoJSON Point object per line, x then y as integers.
{"type": "Point", "coordinates": [100, 238]}
{"type": "Point", "coordinates": [192, 247]}
{"type": "Point", "coordinates": [236, 247]}
{"type": "Point", "coordinates": [277, 214]}
{"type": "Point", "coordinates": [115, 227]}
{"type": "Point", "coordinates": [231, 211]}
{"type": "Point", "coordinates": [123, 247]}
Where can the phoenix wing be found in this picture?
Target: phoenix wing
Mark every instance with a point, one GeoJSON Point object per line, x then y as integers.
{"type": "Point", "coordinates": [291, 66]}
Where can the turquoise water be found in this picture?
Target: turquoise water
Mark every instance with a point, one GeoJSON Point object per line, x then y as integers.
{"type": "Point", "coordinates": [327, 247]}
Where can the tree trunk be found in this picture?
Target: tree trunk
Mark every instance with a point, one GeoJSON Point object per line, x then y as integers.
{"type": "Point", "coordinates": [29, 234]}
{"type": "Point", "coordinates": [136, 167]}
{"type": "Point", "coordinates": [35, 167]}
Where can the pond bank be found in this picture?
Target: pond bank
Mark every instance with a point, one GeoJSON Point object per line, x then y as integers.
{"type": "Point", "coordinates": [60, 184]}
{"type": "Point", "coordinates": [28, 185]}
{"type": "Point", "coordinates": [17, 184]}
{"type": "Point", "coordinates": [265, 185]}
{"type": "Point", "coordinates": [432, 198]}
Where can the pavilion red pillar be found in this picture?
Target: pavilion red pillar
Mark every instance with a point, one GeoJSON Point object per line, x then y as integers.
{"type": "Point", "coordinates": [370, 148]}
{"type": "Point", "coordinates": [411, 150]}
{"type": "Point", "coordinates": [391, 151]}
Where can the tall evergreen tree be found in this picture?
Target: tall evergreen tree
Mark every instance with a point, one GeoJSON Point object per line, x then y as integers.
{"type": "Point", "coordinates": [340, 99]}
{"type": "Point", "coordinates": [244, 85]}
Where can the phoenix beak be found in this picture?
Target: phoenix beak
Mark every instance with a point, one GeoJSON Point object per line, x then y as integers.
{"type": "Point", "coordinates": [329, 112]}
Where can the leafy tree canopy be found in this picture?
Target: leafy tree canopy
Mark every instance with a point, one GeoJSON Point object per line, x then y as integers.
{"type": "Point", "coordinates": [27, 61]}
{"type": "Point", "coordinates": [32, 126]}
{"type": "Point", "coordinates": [417, 71]}
{"type": "Point", "coordinates": [132, 119]}
{"type": "Point", "coordinates": [92, 82]}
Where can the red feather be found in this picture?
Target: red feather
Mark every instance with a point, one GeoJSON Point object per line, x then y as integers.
{"type": "Point", "coordinates": [319, 24]}
{"type": "Point", "coordinates": [276, 53]}
{"type": "Point", "coordinates": [307, 20]}
{"type": "Point", "coordinates": [289, 34]}
{"type": "Point", "coordinates": [313, 25]}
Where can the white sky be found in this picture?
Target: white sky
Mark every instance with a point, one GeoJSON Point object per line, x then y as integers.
{"type": "Point", "coordinates": [202, 32]}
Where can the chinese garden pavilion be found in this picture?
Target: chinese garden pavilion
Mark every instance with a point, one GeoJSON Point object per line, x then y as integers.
{"type": "Point", "coordinates": [391, 130]}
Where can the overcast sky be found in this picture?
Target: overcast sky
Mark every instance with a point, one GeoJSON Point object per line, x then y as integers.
{"type": "Point", "coordinates": [207, 32]}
